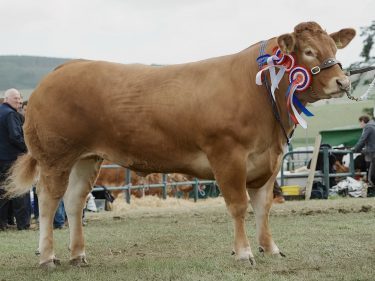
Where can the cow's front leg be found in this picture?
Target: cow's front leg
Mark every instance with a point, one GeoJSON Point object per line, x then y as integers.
{"type": "Point", "coordinates": [230, 173]}
{"type": "Point", "coordinates": [261, 201]}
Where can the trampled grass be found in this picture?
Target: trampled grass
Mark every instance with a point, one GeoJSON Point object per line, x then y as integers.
{"type": "Point", "coordinates": [322, 240]}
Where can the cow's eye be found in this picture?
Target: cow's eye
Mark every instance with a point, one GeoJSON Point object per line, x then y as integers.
{"type": "Point", "coordinates": [309, 53]}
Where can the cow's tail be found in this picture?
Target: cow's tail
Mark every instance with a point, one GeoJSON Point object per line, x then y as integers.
{"type": "Point", "coordinates": [21, 176]}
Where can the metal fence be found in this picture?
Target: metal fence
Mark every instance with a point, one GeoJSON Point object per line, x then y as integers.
{"type": "Point", "coordinates": [324, 174]}
{"type": "Point", "coordinates": [128, 187]}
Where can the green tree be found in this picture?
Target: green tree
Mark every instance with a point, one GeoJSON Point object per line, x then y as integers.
{"type": "Point", "coordinates": [369, 33]}
{"type": "Point", "coordinates": [368, 110]}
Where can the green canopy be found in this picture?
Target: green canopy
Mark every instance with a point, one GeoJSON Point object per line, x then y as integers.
{"type": "Point", "coordinates": [348, 136]}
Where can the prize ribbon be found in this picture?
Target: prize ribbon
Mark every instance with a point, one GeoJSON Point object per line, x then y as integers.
{"type": "Point", "coordinates": [299, 78]}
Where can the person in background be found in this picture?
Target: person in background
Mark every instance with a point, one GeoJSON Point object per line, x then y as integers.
{"type": "Point", "coordinates": [59, 219]}
{"type": "Point", "coordinates": [278, 196]}
{"type": "Point", "coordinates": [12, 145]}
{"type": "Point", "coordinates": [11, 218]}
{"type": "Point", "coordinates": [366, 145]}
{"type": "Point", "coordinates": [23, 108]}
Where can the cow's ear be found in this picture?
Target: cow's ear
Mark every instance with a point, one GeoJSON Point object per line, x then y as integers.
{"type": "Point", "coordinates": [343, 37]}
{"type": "Point", "coordinates": [286, 42]}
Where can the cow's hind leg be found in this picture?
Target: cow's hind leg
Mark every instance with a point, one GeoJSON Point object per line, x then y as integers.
{"type": "Point", "coordinates": [81, 180]}
{"type": "Point", "coordinates": [230, 172]}
{"type": "Point", "coordinates": [261, 201]}
{"type": "Point", "coordinates": [51, 188]}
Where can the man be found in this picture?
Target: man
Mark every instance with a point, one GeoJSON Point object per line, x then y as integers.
{"type": "Point", "coordinates": [367, 141]}
{"type": "Point", "coordinates": [278, 196]}
{"type": "Point", "coordinates": [12, 144]}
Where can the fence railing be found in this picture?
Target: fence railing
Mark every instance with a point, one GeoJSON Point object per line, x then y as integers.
{"type": "Point", "coordinates": [325, 174]}
{"type": "Point", "coordinates": [128, 187]}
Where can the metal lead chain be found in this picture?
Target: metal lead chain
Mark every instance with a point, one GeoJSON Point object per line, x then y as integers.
{"type": "Point", "coordinates": [351, 97]}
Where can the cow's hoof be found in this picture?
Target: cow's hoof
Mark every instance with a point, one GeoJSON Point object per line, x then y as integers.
{"type": "Point", "coordinates": [278, 255]}
{"type": "Point", "coordinates": [246, 262]}
{"type": "Point", "coordinates": [50, 264]}
{"type": "Point", "coordinates": [80, 261]}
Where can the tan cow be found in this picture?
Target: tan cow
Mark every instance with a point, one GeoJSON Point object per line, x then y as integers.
{"type": "Point", "coordinates": [208, 119]}
{"type": "Point", "coordinates": [116, 176]}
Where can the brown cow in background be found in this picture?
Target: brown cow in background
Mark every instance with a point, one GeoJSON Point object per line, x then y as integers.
{"type": "Point", "coordinates": [110, 177]}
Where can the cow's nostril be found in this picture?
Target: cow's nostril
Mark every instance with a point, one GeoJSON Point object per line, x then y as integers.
{"type": "Point", "coordinates": [343, 84]}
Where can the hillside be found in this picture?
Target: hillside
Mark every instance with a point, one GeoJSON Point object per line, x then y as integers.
{"type": "Point", "coordinates": [24, 72]}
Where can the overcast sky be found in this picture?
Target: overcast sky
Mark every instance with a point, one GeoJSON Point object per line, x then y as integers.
{"type": "Point", "coordinates": [166, 31]}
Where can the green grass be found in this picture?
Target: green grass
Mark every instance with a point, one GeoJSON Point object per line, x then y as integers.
{"type": "Point", "coordinates": [323, 240]}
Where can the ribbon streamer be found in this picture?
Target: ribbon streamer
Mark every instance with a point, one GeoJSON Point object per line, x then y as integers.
{"type": "Point", "coordinates": [293, 112]}
{"type": "Point", "coordinates": [271, 67]}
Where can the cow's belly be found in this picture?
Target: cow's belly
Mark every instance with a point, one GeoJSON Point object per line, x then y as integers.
{"type": "Point", "coordinates": [260, 166]}
{"type": "Point", "coordinates": [201, 166]}
{"type": "Point", "coordinates": [191, 163]}
{"type": "Point", "coordinates": [259, 169]}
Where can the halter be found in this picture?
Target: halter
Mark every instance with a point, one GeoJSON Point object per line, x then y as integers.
{"type": "Point", "coordinates": [327, 63]}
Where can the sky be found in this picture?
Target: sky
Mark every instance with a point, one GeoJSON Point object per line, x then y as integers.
{"type": "Point", "coordinates": [167, 31]}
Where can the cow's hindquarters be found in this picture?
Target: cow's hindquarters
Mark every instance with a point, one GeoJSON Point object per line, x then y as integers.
{"type": "Point", "coordinates": [50, 189]}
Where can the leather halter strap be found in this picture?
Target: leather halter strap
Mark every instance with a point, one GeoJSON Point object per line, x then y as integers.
{"type": "Point", "coordinates": [325, 64]}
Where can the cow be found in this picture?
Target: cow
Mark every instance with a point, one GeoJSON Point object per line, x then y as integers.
{"type": "Point", "coordinates": [116, 176]}
{"type": "Point", "coordinates": [210, 119]}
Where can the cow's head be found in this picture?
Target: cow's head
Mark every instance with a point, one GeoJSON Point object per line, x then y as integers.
{"type": "Point", "coordinates": [313, 47]}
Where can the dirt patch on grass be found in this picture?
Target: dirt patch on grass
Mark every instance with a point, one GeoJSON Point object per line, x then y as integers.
{"type": "Point", "coordinates": [154, 207]}
{"type": "Point", "coordinates": [314, 207]}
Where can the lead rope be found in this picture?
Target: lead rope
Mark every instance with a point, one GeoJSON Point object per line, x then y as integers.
{"type": "Point", "coordinates": [275, 109]}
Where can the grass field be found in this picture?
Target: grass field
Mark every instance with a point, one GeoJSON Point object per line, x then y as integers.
{"type": "Point", "coordinates": [179, 240]}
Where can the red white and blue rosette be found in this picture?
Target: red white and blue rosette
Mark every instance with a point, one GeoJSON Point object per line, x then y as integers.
{"type": "Point", "coordinates": [301, 77]}
{"type": "Point", "coordinates": [300, 80]}
{"type": "Point", "coordinates": [286, 60]}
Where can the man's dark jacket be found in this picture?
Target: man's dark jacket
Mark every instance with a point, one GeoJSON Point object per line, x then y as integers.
{"type": "Point", "coordinates": [12, 143]}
